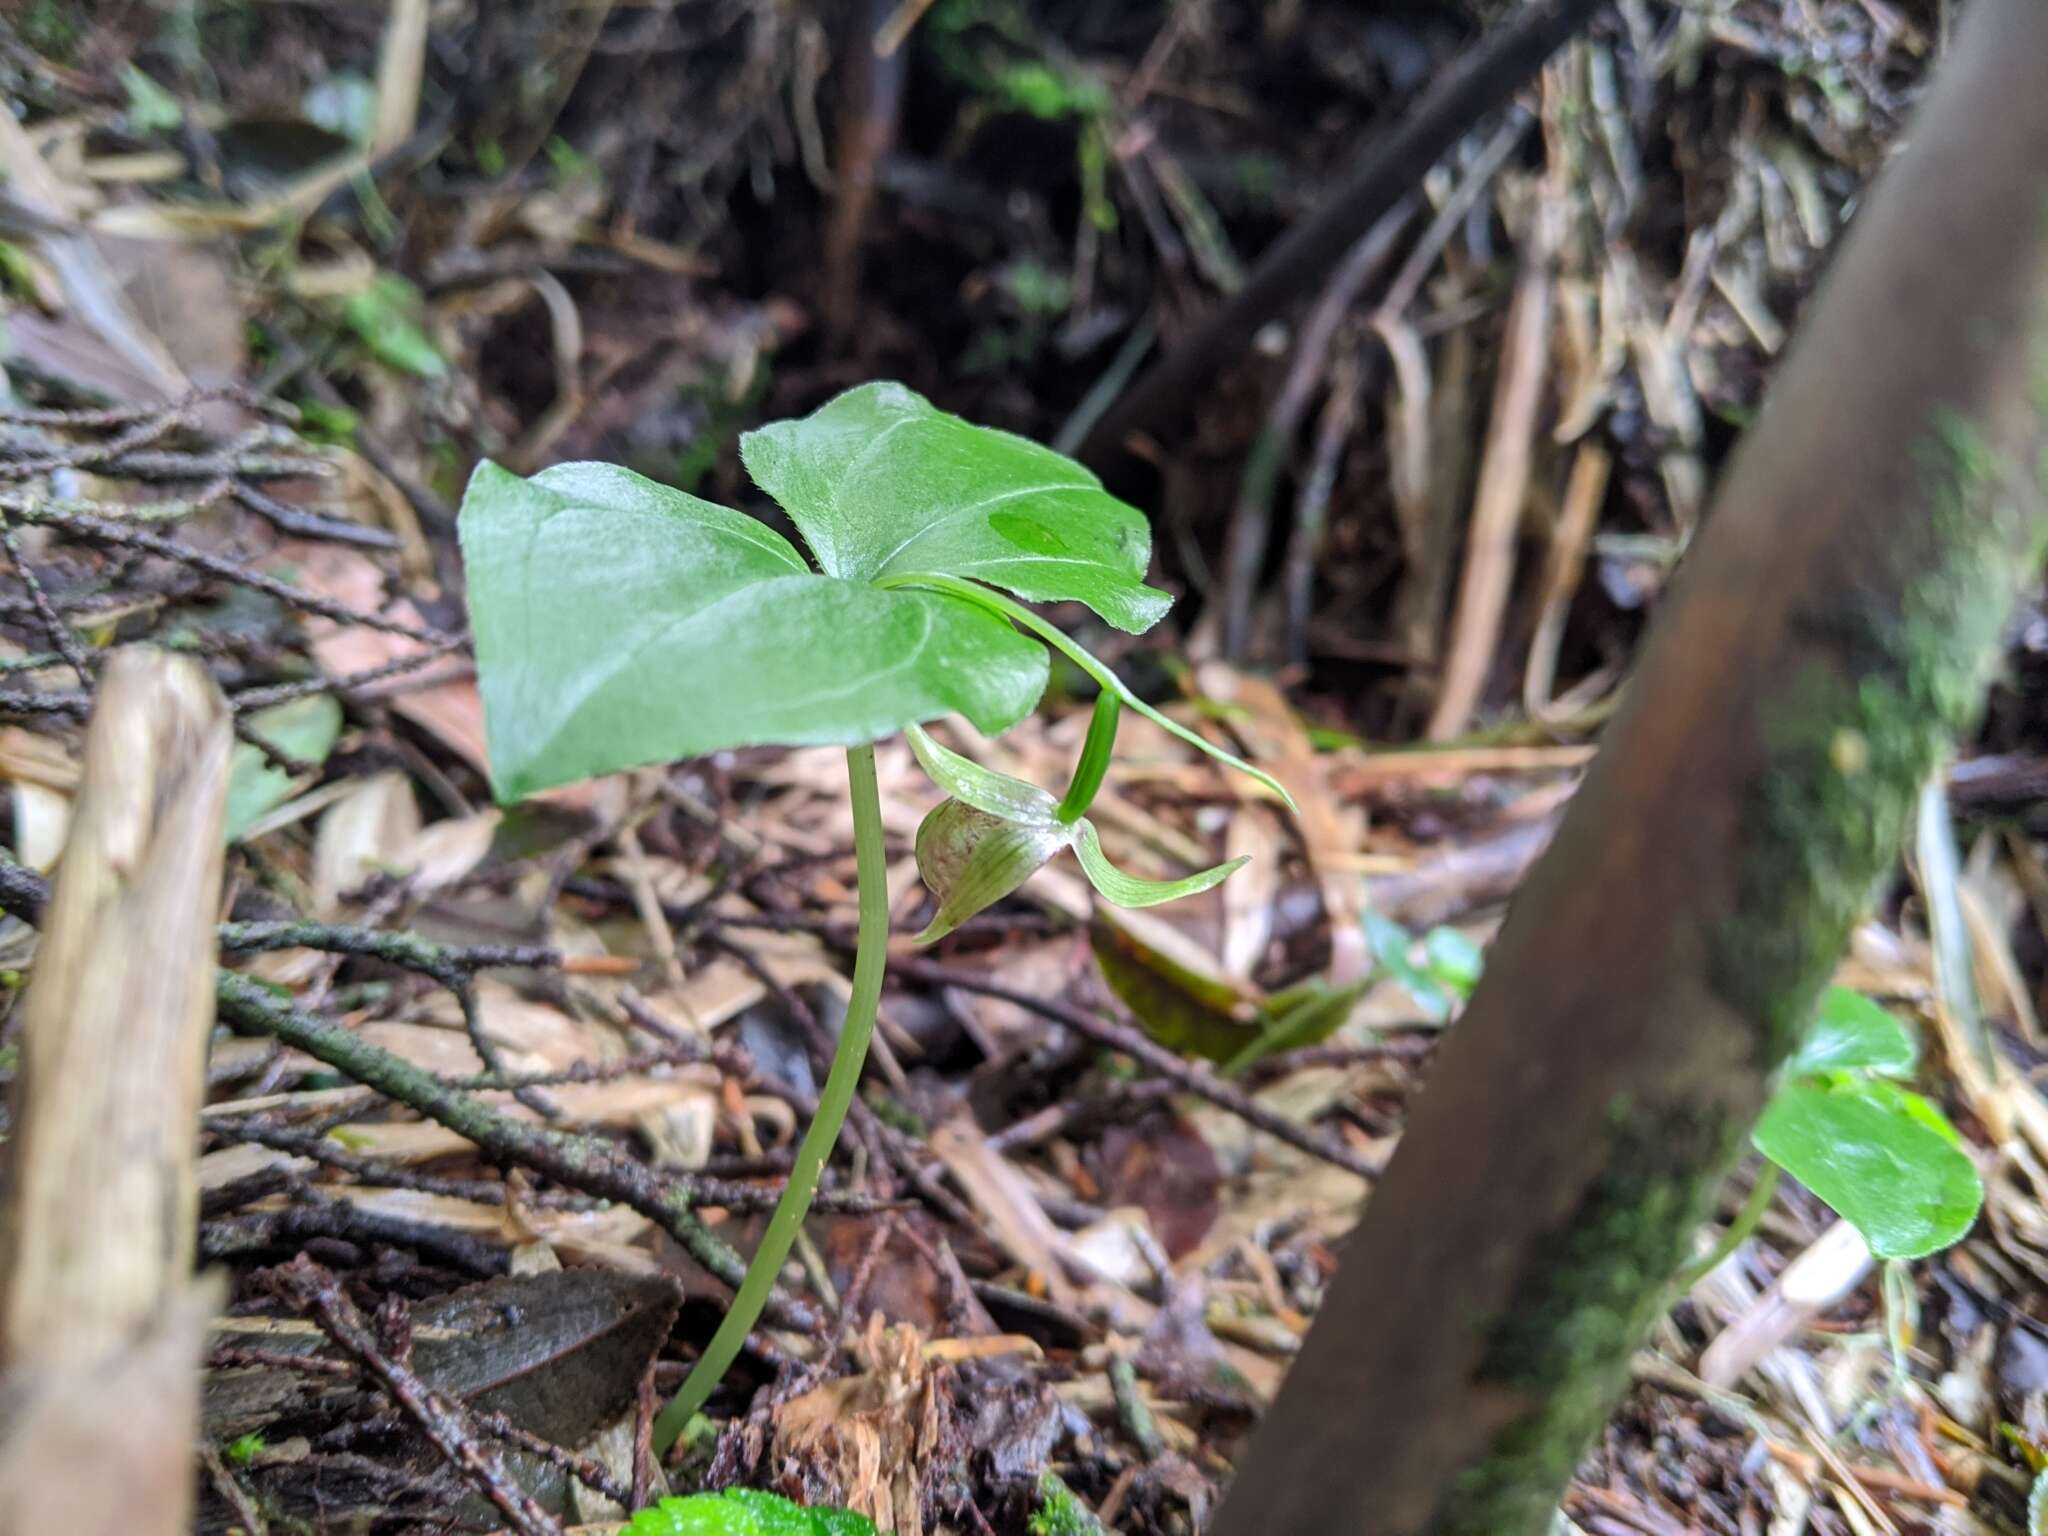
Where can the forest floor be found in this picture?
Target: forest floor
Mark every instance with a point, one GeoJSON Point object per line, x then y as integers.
{"type": "Point", "coordinates": [1416, 529]}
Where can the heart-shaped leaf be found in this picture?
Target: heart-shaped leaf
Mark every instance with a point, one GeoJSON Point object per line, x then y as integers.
{"type": "Point", "coordinates": [620, 622]}
{"type": "Point", "coordinates": [1852, 1034]}
{"type": "Point", "coordinates": [882, 483]}
{"type": "Point", "coordinates": [1878, 1159]}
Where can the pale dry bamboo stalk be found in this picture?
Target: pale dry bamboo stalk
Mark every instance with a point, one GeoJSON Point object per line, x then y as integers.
{"type": "Point", "coordinates": [101, 1326]}
{"type": "Point", "coordinates": [1503, 485]}
{"type": "Point", "coordinates": [99, 1214]}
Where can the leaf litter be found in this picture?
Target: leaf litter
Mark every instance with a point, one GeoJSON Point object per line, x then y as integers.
{"type": "Point", "coordinates": [1040, 1252]}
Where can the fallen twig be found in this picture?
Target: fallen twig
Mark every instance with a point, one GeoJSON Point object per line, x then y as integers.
{"type": "Point", "coordinates": [313, 1289]}
{"type": "Point", "coordinates": [588, 1163]}
{"type": "Point", "coordinates": [1194, 1077]}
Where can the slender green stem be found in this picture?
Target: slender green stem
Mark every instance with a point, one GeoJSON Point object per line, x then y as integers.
{"type": "Point", "coordinates": [869, 960]}
{"type": "Point", "coordinates": [1094, 763]}
{"type": "Point", "coordinates": [1739, 1229]}
{"type": "Point", "coordinates": [1059, 640]}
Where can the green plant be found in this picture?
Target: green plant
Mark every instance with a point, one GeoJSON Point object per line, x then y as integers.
{"type": "Point", "coordinates": [383, 314]}
{"type": "Point", "coordinates": [1205, 1014]}
{"type": "Point", "coordinates": [620, 622]}
{"type": "Point", "coordinates": [744, 1512]}
{"type": "Point", "coordinates": [1885, 1159]}
{"type": "Point", "coordinates": [1449, 970]}
{"type": "Point", "coordinates": [1059, 1512]}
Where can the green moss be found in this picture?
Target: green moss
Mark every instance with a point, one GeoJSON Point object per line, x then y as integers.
{"type": "Point", "coordinates": [1059, 1512]}
{"type": "Point", "coordinates": [1563, 1342]}
{"type": "Point", "coordinates": [1878, 697]}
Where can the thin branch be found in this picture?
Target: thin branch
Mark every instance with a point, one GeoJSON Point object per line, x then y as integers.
{"type": "Point", "coordinates": [1194, 1077]}
{"type": "Point", "coordinates": [313, 1289]}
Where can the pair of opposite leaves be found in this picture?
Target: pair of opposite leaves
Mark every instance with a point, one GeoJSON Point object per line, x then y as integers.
{"type": "Point", "coordinates": [619, 622]}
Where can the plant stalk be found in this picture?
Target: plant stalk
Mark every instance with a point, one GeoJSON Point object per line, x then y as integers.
{"type": "Point", "coordinates": [1746, 1221]}
{"type": "Point", "coordinates": [870, 959]}
{"type": "Point", "coordinates": [1094, 763]}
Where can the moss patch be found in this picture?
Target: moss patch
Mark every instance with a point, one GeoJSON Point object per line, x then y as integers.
{"type": "Point", "coordinates": [1562, 1344]}
{"type": "Point", "coordinates": [1880, 696]}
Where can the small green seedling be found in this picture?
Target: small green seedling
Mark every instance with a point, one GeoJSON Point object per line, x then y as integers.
{"type": "Point", "coordinates": [744, 1512]}
{"type": "Point", "coordinates": [620, 622]}
{"type": "Point", "coordinates": [1885, 1159]}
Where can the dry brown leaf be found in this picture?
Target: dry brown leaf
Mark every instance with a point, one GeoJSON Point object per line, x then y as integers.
{"type": "Point", "coordinates": [871, 1436]}
{"type": "Point", "coordinates": [446, 851]}
{"type": "Point", "coordinates": [367, 832]}
{"type": "Point", "coordinates": [1001, 1194]}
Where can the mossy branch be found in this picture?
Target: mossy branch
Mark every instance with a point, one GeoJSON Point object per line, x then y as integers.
{"type": "Point", "coordinates": [1829, 636]}
{"type": "Point", "coordinates": [587, 1163]}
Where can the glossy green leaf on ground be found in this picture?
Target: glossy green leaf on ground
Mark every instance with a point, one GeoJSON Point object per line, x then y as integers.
{"type": "Point", "coordinates": [1877, 1162]}
{"type": "Point", "coordinates": [882, 483]}
{"type": "Point", "coordinates": [744, 1512]}
{"type": "Point", "coordinates": [1850, 1033]}
{"type": "Point", "coordinates": [620, 622]}
{"type": "Point", "coordinates": [1303, 1017]}
{"type": "Point", "coordinates": [1200, 1014]}
{"type": "Point", "coordinates": [1186, 1010]}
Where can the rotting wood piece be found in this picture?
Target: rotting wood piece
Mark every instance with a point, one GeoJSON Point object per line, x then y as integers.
{"type": "Point", "coordinates": [101, 1326]}
{"type": "Point", "coordinates": [1828, 636]}
{"type": "Point", "coordinates": [100, 1208]}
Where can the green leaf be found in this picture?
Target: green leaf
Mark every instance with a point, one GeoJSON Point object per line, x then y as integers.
{"type": "Point", "coordinates": [1905, 1187]}
{"type": "Point", "coordinates": [621, 622]}
{"type": "Point", "coordinates": [382, 315]}
{"type": "Point", "coordinates": [971, 860]}
{"type": "Point", "coordinates": [304, 728]}
{"type": "Point", "coordinates": [2037, 1506]}
{"type": "Point", "coordinates": [151, 108]}
{"type": "Point", "coordinates": [1453, 959]}
{"type": "Point", "coordinates": [744, 1512]}
{"type": "Point", "coordinates": [1913, 1106]}
{"type": "Point", "coordinates": [1183, 1009]}
{"type": "Point", "coordinates": [1299, 1017]}
{"type": "Point", "coordinates": [1123, 890]}
{"type": "Point", "coordinates": [1390, 943]}
{"type": "Point", "coordinates": [883, 484]}
{"type": "Point", "coordinates": [1852, 1034]}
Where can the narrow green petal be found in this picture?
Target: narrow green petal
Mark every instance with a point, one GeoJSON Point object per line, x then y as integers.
{"type": "Point", "coordinates": [1125, 890]}
{"type": "Point", "coordinates": [983, 788]}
